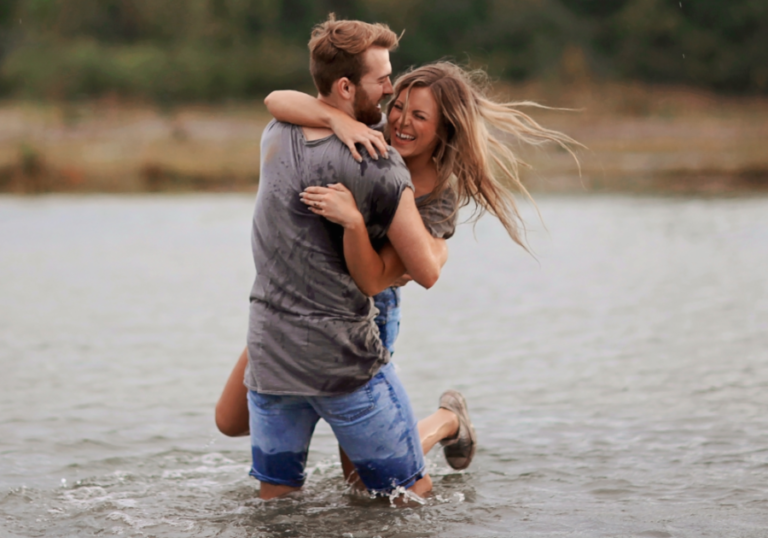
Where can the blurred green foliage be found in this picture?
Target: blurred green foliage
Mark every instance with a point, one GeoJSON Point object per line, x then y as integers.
{"type": "Point", "coordinates": [170, 50]}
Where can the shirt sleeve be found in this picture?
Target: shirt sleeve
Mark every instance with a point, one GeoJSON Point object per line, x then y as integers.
{"type": "Point", "coordinates": [440, 213]}
{"type": "Point", "coordinates": [377, 186]}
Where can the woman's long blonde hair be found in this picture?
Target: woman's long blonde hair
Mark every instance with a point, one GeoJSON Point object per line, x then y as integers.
{"type": "Point", "coordinates": [474, 136]}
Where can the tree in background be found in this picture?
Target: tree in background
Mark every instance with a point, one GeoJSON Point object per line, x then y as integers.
{"type": "Point", "coordinates": [171, 50]}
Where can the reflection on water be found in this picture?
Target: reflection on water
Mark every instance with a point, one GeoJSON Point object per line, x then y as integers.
{"type": "Point", "coordinates": [618, 382]}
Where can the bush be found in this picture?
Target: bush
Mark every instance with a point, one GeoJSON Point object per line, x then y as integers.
{"type": "Point", "coordinates": [184, 72]}
{"type": "Point", "coordinates": [219, 49]}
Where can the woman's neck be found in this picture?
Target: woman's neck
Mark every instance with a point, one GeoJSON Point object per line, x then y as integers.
{"type": "Point", "coordinates": [423, 173]}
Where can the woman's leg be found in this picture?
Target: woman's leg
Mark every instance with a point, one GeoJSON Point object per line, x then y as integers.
{"type": "Point", "coordinates": [232, 407]}
{"type": "Point", "coordinates": [442, 424]}
{"type": "Point", "coordinates": [349, 471]}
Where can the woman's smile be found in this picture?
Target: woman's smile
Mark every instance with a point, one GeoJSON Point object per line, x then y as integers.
{"type": "Point", "coordinates": [404, 137]}
{"type": "Point", "coordinates": [414, 126]}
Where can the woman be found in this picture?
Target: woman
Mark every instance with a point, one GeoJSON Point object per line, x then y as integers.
{"type": "Point", "coordinates": [441, 123]}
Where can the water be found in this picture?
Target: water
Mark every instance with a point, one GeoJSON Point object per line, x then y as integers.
{"type": "Point", "coordinates": [619, 384]}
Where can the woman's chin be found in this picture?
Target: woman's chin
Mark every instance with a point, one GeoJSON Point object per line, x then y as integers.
{"type": "Point", "coordinates": [405, 150]}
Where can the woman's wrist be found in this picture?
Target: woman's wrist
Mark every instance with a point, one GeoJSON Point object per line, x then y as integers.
{"type": "Point", "coordinates": [354, 223]}
{"type": "Point", "coordinates": [336, 119]}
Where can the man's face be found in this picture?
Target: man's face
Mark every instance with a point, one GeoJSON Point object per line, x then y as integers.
{"type": "Point", "coordinates": [374, 86]}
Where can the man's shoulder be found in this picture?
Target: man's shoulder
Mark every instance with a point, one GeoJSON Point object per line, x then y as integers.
{"type": "Point", "coordinates": [275, 126]}
{"type": "Point", "coordinates": [275, 129]}
{"type": "Point", "coordinates": [390, 169]}
{"type": "Point", "coordinates": [393, 164]}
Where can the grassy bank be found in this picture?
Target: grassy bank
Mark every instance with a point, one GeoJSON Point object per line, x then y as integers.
{"type": "Point", "coordinates": [639, 138]}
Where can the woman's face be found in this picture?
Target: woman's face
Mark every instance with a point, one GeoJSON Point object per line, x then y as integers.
{"type": "Point", "coordinates": [414, 132]}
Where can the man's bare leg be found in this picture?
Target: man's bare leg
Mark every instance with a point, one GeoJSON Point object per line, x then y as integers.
{"type": "Point", "coordinates": [232, 407]}
{"type": "Point", "coordinates": [271, 491]}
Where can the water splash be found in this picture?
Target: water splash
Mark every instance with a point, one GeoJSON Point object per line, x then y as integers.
{"type": "Point", "coordinates": [400, 495]}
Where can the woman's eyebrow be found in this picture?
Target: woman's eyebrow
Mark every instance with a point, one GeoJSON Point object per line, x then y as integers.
{"type": "Point", "coordinates": [413, 110]}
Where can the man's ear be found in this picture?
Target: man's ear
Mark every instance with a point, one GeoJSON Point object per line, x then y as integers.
{"type": "Point", "coordinates": [345, 89]}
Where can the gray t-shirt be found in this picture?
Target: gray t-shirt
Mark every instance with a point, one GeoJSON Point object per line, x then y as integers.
{"type": "Point", "coordinates": [439, 213]}
{"type": "Point", "coordinates": [311, 330]}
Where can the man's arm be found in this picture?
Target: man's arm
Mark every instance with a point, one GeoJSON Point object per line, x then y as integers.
{"type": "Point", "coordinates": [422, 255]}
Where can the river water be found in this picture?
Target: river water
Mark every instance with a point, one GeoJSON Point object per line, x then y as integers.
{"type": "Point", "coordinates": [618, 381]}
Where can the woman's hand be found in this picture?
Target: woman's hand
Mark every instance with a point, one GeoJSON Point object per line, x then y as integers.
{"type": "Point", "coordinates": [402, 281]}
{"type": "Point", "coordinates": [351, 132]}
{"type": "Point", "coordinates": [335, 203]}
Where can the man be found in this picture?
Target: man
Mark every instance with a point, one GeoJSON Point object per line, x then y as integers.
{"type": "Point", "coordinates": [313, 347]}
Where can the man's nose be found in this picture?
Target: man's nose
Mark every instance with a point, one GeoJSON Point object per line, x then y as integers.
{"type": "Point", "coordinates": [388, 90]}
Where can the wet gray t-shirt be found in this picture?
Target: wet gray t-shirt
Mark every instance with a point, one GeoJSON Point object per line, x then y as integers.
{"type": "Point", "coordinates": [311, 330]}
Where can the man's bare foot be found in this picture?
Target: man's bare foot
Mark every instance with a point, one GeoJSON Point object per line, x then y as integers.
{"type": "Point", "coordinates": [272, 491]}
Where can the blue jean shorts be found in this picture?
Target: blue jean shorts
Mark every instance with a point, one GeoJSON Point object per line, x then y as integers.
{"type": "Point", "coordinates": [375, 426]}
{"type": "Point", "coordinates": [388, 318]}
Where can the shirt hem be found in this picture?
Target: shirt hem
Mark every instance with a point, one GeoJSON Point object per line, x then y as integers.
{"type": "Point", "coordinates": [311, 394]}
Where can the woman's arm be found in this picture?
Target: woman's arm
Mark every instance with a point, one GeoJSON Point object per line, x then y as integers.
{"type": "Point", "coordinates": [302, 109]}
{"type": "Point", "coordinates": [372, 271]}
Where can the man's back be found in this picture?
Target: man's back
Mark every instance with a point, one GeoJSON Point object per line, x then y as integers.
{"type": "Point", "coordinates": [311, 329]}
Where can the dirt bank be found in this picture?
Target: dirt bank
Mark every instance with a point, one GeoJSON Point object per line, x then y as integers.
{"type": "Point", "coordinates": [639, 139]}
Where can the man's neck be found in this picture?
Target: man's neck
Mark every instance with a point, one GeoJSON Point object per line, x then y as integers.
{"type": "Point", "coordinates": [315, 133]}
{"type": "Point", "coordinates": [331, 101]}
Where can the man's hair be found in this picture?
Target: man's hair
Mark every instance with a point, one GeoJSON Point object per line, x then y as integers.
{"type": "Point", "coordinates": [336, 50]}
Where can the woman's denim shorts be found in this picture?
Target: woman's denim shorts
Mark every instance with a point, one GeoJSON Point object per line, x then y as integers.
{"type": "Point", "coordinates": [375, 426]}
{"type": "Point", "coordinates": [388, 319]}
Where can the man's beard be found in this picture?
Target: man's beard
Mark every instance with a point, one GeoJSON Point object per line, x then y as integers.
{"type": "Point", "coordinates": [365, 111]}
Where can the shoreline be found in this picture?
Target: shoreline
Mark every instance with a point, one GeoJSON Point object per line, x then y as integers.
{"type": "Point", "coordinates": [640, 139]}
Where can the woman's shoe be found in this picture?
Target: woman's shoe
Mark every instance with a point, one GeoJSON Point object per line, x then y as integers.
{"type": "Point", "coordinates": [459, 450]}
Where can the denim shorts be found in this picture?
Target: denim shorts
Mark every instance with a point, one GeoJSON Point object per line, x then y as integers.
{"type": "Point", "coordinates": [388, 319]}
{"type": "Point", "coordinates": [375, 426]}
